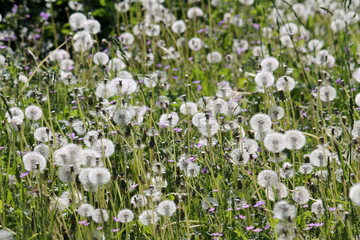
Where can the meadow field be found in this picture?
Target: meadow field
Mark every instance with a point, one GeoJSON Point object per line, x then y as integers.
{"type": "Point", "coordinates": [186, 119]}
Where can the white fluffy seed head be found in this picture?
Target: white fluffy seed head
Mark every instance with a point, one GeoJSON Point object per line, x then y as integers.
{"type": "Point", "coordinates": [280, 190]}
{"type": "Point", "coordinates": [269, 64]}
{"type": "Point", "coordinates": [276, 112]}
{"type": "Point", "coordinates": [274, 142]}
{"type": "Point", "coordinates": [267, 178]}
{"type": "Point", "coordinates": [100, 215]}
{"type": "Point", "coordinates": [33, 112]}
{"type": "Point", "coordinates": [43, 149]}
{"type": "Point", "coordinates": [67, 174]}
{"type": "Point", "coordinates": [239, 156]}
{"type": "Point", "coordinates": [320, 157]}
{"type": "Point", "coordinates": [125, 216]}
{"type": "Point", "coordinates": [104, 147]}
{"type": "Point", "coordinates": [90, 158]}
{"type": "Point", "coordinates": [214, 57]}
{"type": "Point", "coordinates": [318, 208]}
{"type": "Point", "coordinates": [100, 58]}
{"type": "Point", "coordinates": [91, 137]}
{"type": "Point", "coordinates": [14, 112]}
{"type": "Point", "coordinates": [34, 162]}
{"type": "Point", "coordinates": [178, 26]}
{"type": "Point", "coordinates": [354, 194]}
{"type": "Point", "coordinates": [42, 134]}
{"type": "Point", "coordinates": [264, 79]}
{"type": "Point", "coordinates": [148, 217]}
{"type": "Point", "coordinates": [285, 83]}
{"type": "Point", "coordinates": [260, 122]}
{"type": "Point", "coordinates": [301, 195]}
{"type": "Point", "coordinates": [327, 93]}
{"type": "Point", "coordinates": [284, 211]}
{"type": "Point", "coordinates": [188, 108]}
{"type": "Point", "coordinates": [92, 26]}
{"type": "Point", "coordinates": [122, 117]}
{"type": "Point", "coordinates": [77, 21]}
{"type": "Point", "coordinates": [138, 200]}
{"type": "Point", "coordinates": [192, 170]}
{"type": "Point", "coordinates": [169, 119]}
{"type": "Point", "coordinates": [294, 139]}
{"type": "Point", "coordinates": [209, 127]}
{"type": "Point", "coordinates": [166, 208]}
{"type": "Point", "coordinates": [99, 176]}
{"type": "Point", "coordinates": [306, 168]}
{"type": "Point", "coordinates": [85, 210]}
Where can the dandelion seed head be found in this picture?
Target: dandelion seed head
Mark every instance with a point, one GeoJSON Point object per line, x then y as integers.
{"type": "Point", "coordinates": [294, 139]}
{"type": "Point", "coordinates": [77, 21]}
{"type": "Point", "coordinates": [301, 195]}
{"type": "Point", "coordinates": [85, 210]}
{"type": "Point", "coordinates": [125, 216]}
{"type": "Point", "coordinates": [269, 64]}
{"type": "Point", "coordinates": [90, 158]}
{"type": "Point", "coordinates": [4, 234]}
{"type": "Point", "coordinates": [122, 117]}
{"type": "Point", "coordinates": [239, 156]}
{"type": "Point", "coordinates": [178, 26]}
{"type": "Point", "coordinates": [274, 142]}
{"type": "Point", "coordinates": [280, 190]}
{"type": "Point", "coordinates": [116, 65]}
{"type": "Point", "coordinates": [169, 119]}
{"type": "Point", "coordinates": [284, 211]}
{"type": "Point", "coordinates": [285, 83]}
{"type": "Point", "coordinates": [354, 194]}
{"type": "Point", "coordinates": [188, 108]}
{"type": "Point", "coordinates": [319, 157]}
{"type": "Point", "coordinates": [195, 43]}
{"type": "Point", "coordinates": [166, 208]}
{"type": "Point", "coordinates": [214, 57]}
{"type": "Point", "coordinates": [306, 168]}
{"type": "Point", "coordinates": [192, 170]}
{"type": "Point", "coordinates": [276, 112]}
{"type": "Point", "coordinates": [148, 217]}
{"type": "Point", "coordinates": [100, 215]}
{"type": "Point", "coordinates": [43, 149]}
{"type": "Point", "coordinates": [138, 200]}
{"type": "Point", "coordinates": [92, 26]}
{"type": "Point", "coordinates": [91, 137]}
{"type": "Point", "coordinates": [99, 176]}
{"type": "Point", "coordinates": [260, 122]}
{"type": "Point", "coordinates": [104, 146]}
{"type": "Point", "coordinates": [267, 178]}
{"type": "Point", "coordinates": [67, 174]}
{"type": "Point", "coordinates": [315, 44]}
{"type": "Point", "coordinates": [82, 41]}
{"type": "Point", "coordinates": [79, 127]}
{"type": "Point", "coordinates": [264, 79]}
{"type": "Point", "coordinates": [289, 29]}
{"type": "Point", "coordinates": [100, 58]}
{"type": "Point", "coordinates": [42, 134]}
{"type": "Point", "coordinates": [209, 127]}
{"type": "Point", "coordinates": [34, 162]}
{"type": "Point", "coordinates": [286, 170]}
{"type": "Point", "coordinates": [15, 112]}
{"type": "Point", "coordinates": [105, 90]}
{"type": "Point", "coordinates": [317, 208]}
{"type": "Point", "coordinates": [194, 12]}
{"type": "Point", "coordinates": [33, 112]}
{"type": "Point", "coordinates": [327, 93]}
{"type": "Point", "coordinates": [59, 203]}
